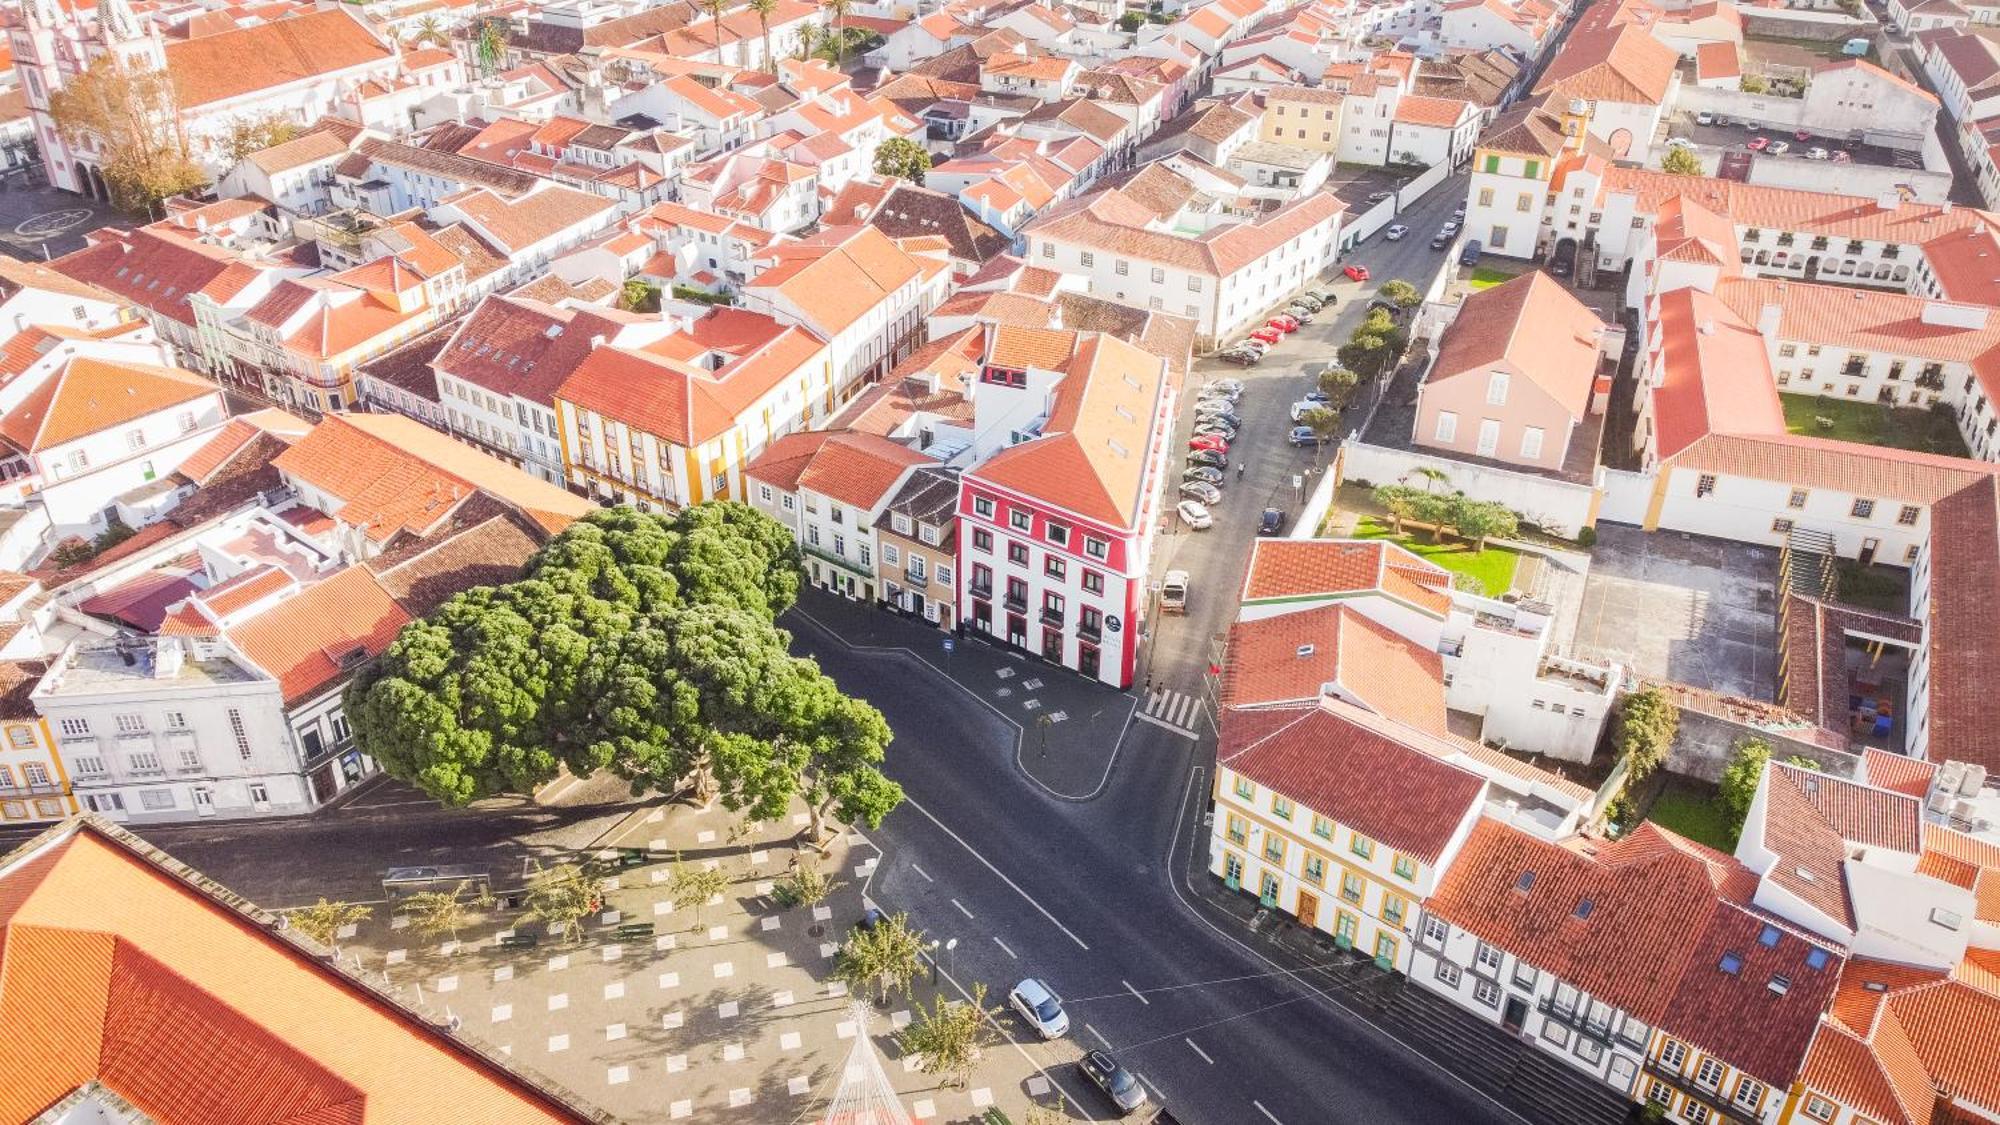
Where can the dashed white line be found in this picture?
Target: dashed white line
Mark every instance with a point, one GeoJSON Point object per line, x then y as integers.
{"type": "Point", "coordinates": [1004, 949]}
{"type": "Point", "coordinates": [1099, 1035]}
{"type": "Point", "coordinates": [921, 871]}
{"type": "Point", "coordinates": [1199, 1051]}
{"type": "Point", "coordinates": [1012, 885]}
{"type": "Point", "coordinates": [1267, 1113]}
{"type": "Point", "coordinates": [961, 908]}
{"type": "Point", "coordinates": [1136, 994]}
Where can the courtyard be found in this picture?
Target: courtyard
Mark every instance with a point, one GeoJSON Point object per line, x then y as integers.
{"type": "Point", "coordinates": [1681, 607]}
{"type": "Point", "coordinates": [1493, 568]}
{"type": "Point", "coordinates": [1872, 423]}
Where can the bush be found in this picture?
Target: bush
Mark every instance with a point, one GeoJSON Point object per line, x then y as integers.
{"type": "Point", "coordinates": [1647, 723]}
{"type": "Point", "coordinates": [689, 293]}
{"type": "Point", "coordinates": [1131, 21]}
{"type": "Point", "coordinates": [1587, 538]}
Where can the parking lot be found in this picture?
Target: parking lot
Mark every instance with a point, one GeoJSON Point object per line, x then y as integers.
{"type": "Point", "coordinates": [1736, 138]}
{"type": "Point", "coordinates": [1682, 607]}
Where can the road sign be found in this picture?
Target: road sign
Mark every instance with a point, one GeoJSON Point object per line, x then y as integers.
{"type": "Point", "coordinates": [949, 644]}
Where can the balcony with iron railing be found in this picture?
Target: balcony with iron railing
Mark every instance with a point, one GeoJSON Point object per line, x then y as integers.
{"type": "Point", "coordinates": [1721, 1110]}
{"type": "Point", "coordinates": [1052, 617]}
{"type": "Point", "coordinates": [982, 590]}
{"type": "Point", "coordinates": [1574, 1019]}
{"type": "Point", "coordinates": [1092, 631]}
{"type": "Point", "coordinates": [1016, 603]}
{"type": "Point", "coordinates": [916, 578]}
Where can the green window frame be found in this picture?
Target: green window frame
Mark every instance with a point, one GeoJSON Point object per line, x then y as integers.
{"type": "Point", "coordinates": [1534, 168]}
{"type": "Point", "coordinates": [1493, 164]}
{"type": "Point", "coordinates": [1244, 788]}
{"type": "Point", "coordinates": [1362, 846]}
{"type": "Point", "coordinates": [1281, 808]}
{"type": "Point", "coordinates": [1406, 868]}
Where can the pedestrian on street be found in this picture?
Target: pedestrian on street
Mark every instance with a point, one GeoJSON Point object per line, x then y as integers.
{"type": "Point", "coordinates": [1240, 466]}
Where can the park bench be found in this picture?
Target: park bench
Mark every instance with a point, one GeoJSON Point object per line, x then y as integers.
{"type": "Point", "coordinates": [632, 857]}
{"type": "Point", "coordinates": [519, 941]}
{"type": "Point", "coordinates": [635, 930]}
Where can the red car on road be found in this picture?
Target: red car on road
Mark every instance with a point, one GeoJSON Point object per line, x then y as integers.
{"type": "Point", "coordinates": [1210, 442]}
{"type": "Point", "coordinates": [1268, 335]}
{"type": "Point", "coordinates": [1283, 324]}
{"type": "Point", "coordinates": [1356, 273]}
{"type": "Point", "coordinates": [1758, 144]}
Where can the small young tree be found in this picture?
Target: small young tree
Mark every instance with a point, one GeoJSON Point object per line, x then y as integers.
{"type": "Point", "coordinates": [639, 296]}
{"type": "Point", "coordinates": [491, 46]}
{"type": "Point", "coordinates": [1647, 723]}
{"type": "Point", "coordinates": [323, 920]}
{"type": "Point", "coordinates": [1754, 84]}
{"type": "Point", "coordinates": [948, 1037]}
{"type": "Point", "coordinates": [1364, 353]}
{"type": "Point", "coordinates": [805, 885]}
{"type": "Point", "coordinates": [1400, 293]}
{"type": "Point", "coordinates": [1435, 479]}
{"type": "Point", "coordinates": [442, 912]}
{"type": "Point", "coordinates": [1479, 520]}
{"type": "Point", "coordinates": [1400, 501]}
{"type": "Point", "coordinates": [903, 159]}
{"type": "Point", "coordinates": [888, 955]}
{"type": "Point", "coordinates": [1325, 424]}
{"type": "Point", "coordinates": [694, 886]}
{"type": "Point", "coordinates": [563, 896]}
{"type": "Point", "coordinates": [1680, 160]}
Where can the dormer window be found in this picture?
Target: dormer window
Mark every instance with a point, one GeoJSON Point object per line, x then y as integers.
{"type": "Point", "coordinates": [901, 523]}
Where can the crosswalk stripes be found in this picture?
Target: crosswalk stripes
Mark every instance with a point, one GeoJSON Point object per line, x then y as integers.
{"type": "Point", "coordinates": [1175, 710]}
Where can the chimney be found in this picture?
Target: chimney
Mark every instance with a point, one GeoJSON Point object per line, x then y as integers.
{"type": "Point", "coordinates": [1768, 319]}
{"type": "Point", "coordinates": [167, 661]}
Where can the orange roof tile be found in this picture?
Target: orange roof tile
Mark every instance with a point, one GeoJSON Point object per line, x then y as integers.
{"type": "Point", "coordinates": [1533, 325]}
{"type": "Point", "coordinates": [311, 641]}
{"type": "Point", "coordinates": [214, 68]}
{"type": "Point", "coordinates": [1299, 656]}
{"type": "Point", "coordinates": [92, 395]}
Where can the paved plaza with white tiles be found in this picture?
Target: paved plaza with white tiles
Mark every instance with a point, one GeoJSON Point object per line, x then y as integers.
{"type": "Point", "coordinates": [723, 1014]}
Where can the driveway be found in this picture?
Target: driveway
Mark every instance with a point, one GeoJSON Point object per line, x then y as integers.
{"type": "Point", "coordinates": [1684, 608]}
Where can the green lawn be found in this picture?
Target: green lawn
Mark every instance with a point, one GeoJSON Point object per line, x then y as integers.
{"type": "Point", "coordinates": [1486, 277]}
{"type": "Point", "coordinates": [1872, 423]}
{"type": "Point", "coordinates": [1699, 818]}
{"type": "Point", "coordinates": [1884, 588]}
{"type": "Point", "coordinates": [1493, 567]}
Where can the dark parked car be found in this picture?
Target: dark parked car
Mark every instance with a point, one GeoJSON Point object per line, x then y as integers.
{"type": "Point", "coordinates": [1241, 356]}
{"type": "Point", "coordinates": [1272, 522]}
{"type": "Point", "coordinates": [1304, 435]}
{"type": "Point", "coordinates": [1209, 458]}
{"type": "Point", "coordinates": [1117, 1083]}
{"type": "Point", "coordinates": [1470, 255]}
{"type": "Point", "coordinates": [1563, 262]}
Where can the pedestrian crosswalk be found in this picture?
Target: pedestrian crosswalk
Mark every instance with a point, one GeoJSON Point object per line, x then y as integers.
{"type": "Point", "coordinates": [1176, 710]}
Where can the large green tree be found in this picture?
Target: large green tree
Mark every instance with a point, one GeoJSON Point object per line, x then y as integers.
{"type": "Point", "coordinates": [130, 117]}
{"type": "Point", "coordinates": [903, 159]}
{"type": "Point", "coordinates": [634, 643]}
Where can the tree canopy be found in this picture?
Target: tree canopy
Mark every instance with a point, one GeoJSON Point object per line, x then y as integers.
{"type": "Point", "coordinates": [132, 116]}
{"type": "Point", "coordinates": [903, 159]}
{"type": "Point", "coordinates": [634, 643]}
{"type": "Point", "coordinates": [1680, 161]}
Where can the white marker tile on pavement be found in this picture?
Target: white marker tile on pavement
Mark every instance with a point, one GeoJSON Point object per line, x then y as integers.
{"type": "Point", "coordinates": [399, 921]}
{"type": "Point", "coordinates": [800, 820]}
{"type": "Point", "coordinates": [680, 1109]}
{"type": "Point", "coordinates": [728, 1009]}
{"type": "Point", "coordinates": [672, 1019]}
{"type": "Point", "coordinates": [844, 1029]}
{"type": "Point", "coordinates": [828, 949]}
{"type": "Point", "coordinates": [657, 844]}
{"type": "Point", "coordinates": [1058, 716]}
{"type": "Point", "coordinates": [613, 952]}
{"type": "Point", "coordinates": [1031, 704]}
{"type": "Point", "coordinates": [612, 883]}
{"type": "Point", "coordinates": [773, 960]}
{"type": "Point", "coordinates": [759, 856]}
{"type": "Point", "coordinates": [663, 942]}
{"type": "Point", "coordinates": [676, 1063]}
{"type": "Point", "coordinates": [558, 1042]}
{"type": "Point", "coordinates": [502, 1013]}
{"type": "Point", "coordinates": [924, 1109]}
{"type": "Point", "coordinates": [770, 923]}
{"type": "Point", "coordinates": [725, 969]}
{"type": "Point", "coordinates": [765, 886]}
{"type": "Point", "coordinates": [822, 913]}
{"type": "Point", "coordinates": [503, 973]}
{"type": "Point", "coordinates": [911, 1063]}
{"type": "Point", "coordinates": [836, 988]}
{"type": "Point", "coordinates": [781, 998]}
{"type": "Point", "coordinates": [396, 957]}
{"type": "Point", "coordinates": [1031, 683]}
{"type": "Point", "coordinates": [670, 980]}
{"type": "Point", "coordinates": [558, 1001]}
{"type": "Point", "coordinates": [346, 931]}
{"type": "Point", "coordinates": [559, 962]}
{"type": "Point", "coordinates": [1004, 673]}
{"type": "Point", "coordinates": [1037, 1086]}
{"type": "Point", "coordinates": [732, 1052]}
{"type": "Point", "coordinates": [663, 907]}
{"type": "Point", "coordinates": [982, 1097]}
{"type": "Point", "coordinates": [789, 1041]}
{"type": "Point", "coordinates": [1003, 692]}
{"type": "Point", "coordinates": [899, 1020]}
{"type": "Point", "coordinates": [611, 917]}
{"type": "Point", "coordinates": [797, 1085]}
{"type": "Point", "coordinates": [705, 836]}
{"type": "Point", "coordinates": [656, 816]}
{"type": "Point", "coordinates": [739, 1097]}
{"type": "Point", "coordinates": [618, 1075]}
{"type": "Point", "coordinates": [718, 933]}
{"type": "Point", "coordinates": [614, 1031]}
{"type": "Point", "coordinates": [715, 900]}
{"type": "Point", "coordinates": [447, 984]}
{"type": "Point", "coordinates": [615, 990]}
{"type": "Point", "coordinates": [661, 876]}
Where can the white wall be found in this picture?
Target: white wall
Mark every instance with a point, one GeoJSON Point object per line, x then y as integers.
{"type": "Point", "coordinates": [1557, 505]}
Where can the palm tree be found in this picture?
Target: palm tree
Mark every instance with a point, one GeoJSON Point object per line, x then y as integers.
{"type": "Point", "coordinates": [492, 47]}
{"type": "Point", "coordinates": [809, 39]}
{"type": "Point", "coordinates": [714, 9]}
{"type": "Point", "coordinates": [1432, 477]}
{"type": "Point", "coordinates": [764, 8]}
{"type": "Point", "coordinates": [429, 30]}
{"type": "Point", "coordinates": [838, 9]}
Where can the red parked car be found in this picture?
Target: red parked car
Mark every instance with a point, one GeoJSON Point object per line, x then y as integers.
{"type": "Point", "coordinates": [1802, 135]}
{"type": "Point", "coordinates": [1356, 273]}
{"type": "Point", "coordinates": [1268, 335]}
{"type": "Point", "coordinates": [1758, 144]}
{"type": "Point", "coordinates": [1212, 442]}
{"type": "Point", "coordinates": [1285, 324]}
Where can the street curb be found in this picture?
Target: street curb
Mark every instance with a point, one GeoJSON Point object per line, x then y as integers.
{"type": "Point", "coordinates": [1020, 732]}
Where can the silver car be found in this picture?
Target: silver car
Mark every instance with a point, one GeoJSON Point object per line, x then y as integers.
{"type": "Point", "coordinates": [1039, 1006]}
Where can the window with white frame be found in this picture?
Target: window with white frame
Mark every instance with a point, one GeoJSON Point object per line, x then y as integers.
{"type": "Point", "coordinates": [1496, 389]}
{"type": "Point", "coordinates": [1447, 426]}
{"type": "Point", "coordinates": [1490, 958]}
{"type": "Point", "coordinates": [1449, 973]}
{"type": "Point", "coordinates": [131, 724]}
{"type": "Point", "coordinates": [87, 764]}
{"type": "Point", "coordinates": [1673, 1055]}
{"type": "Point", "coordinates": [36, 773]}
{"type": "Point", "coordinates": [1818, 1108]}
{"type": "Point", "coordinates": [259, 795]}
{"type": "Point", "coordinates": [1531, 442]}
{"type": "Point", "coordinates": [1487, 993]}
{"type": "Point", "coordinates": [240, 732]}
{"type": "Point", "coordinates": [892, 556]}
{"type": "Point", "coordinates": [1435, 929]}
{"type": "Point", "coordinates": [73, 728]}
{"type": "Point", "coordinates": [1710, 1073]}
{"type": "Point", "coordinates": [1750, 1094]}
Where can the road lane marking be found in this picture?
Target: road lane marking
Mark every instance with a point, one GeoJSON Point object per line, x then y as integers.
{"type": "Point", "coordinates": [1099, 1035]}
{"type": "Point", "coordinates": [1004, 949]}
{"type": "Point", "coordinates": [1267, 1113]}
{"type": "Point", "coordinates": [961, 908]}
{"type": "Point", "coordinates": [1199, 1051]}
{"type": "Point", "coordinates": [1016, 887]}
{"type": "Point", "coordinates": [1165, 725]}
{"type": "Point", "coordinates": [921, 871]}
{"type": "Point", "coordinates": [1136, 994]}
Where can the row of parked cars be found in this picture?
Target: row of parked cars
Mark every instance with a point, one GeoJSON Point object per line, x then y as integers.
{"type": "Point", "coordinates": [1216, 427]}
{"type": "Point", "coordinates": [1299, 313]}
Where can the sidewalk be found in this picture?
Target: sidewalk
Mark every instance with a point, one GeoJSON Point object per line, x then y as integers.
{"type": "Point", "coordinates": [1069, 728]}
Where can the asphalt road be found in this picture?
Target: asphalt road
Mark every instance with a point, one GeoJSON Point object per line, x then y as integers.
{"type": "Point", "coordinates": [1093, 897]}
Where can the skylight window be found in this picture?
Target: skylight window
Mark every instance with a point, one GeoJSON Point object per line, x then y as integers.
{"type": "Point", "coordinates": [1731, 963]}
{"type": "Point", "coordinates": [1768, 938]}
{"type": "Point", "coordinates": [1817, 959]}
{"type": "Point", "coordinates": [1779, 983]}
{"type": "Point", "coordinates": [1526, 882]}
{"type": "Point", "coordinates": [1584, 908]}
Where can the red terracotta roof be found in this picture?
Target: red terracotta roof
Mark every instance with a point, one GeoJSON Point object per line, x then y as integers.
{"type": "Point", "coordinates": [1332, 759]}
{"type": "Point", "coordinates": [1311, 569]}
{"type": "Point", "coordinates": [1532, 325]}
{"type": "Point", "coordinates": [1297, 657]}
{"type": "Point", "coordinates": [856, 469]}
{"type": "Point", "coordinates": [313, 640]}
{"type": "Point", "coordinates": [214, 68]}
